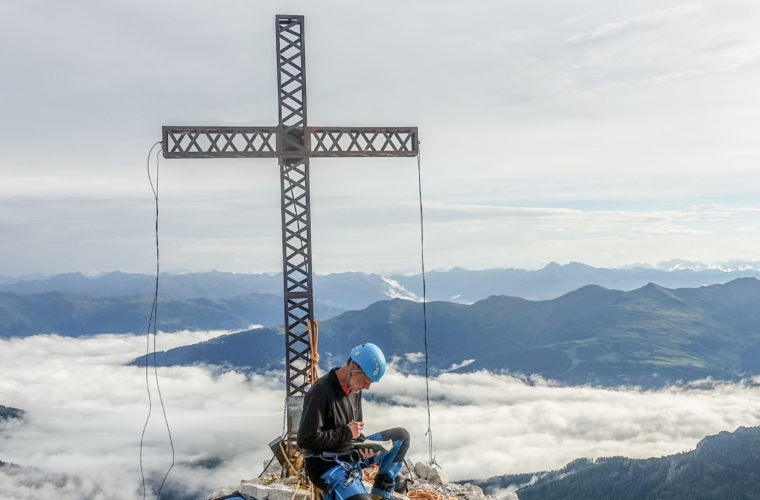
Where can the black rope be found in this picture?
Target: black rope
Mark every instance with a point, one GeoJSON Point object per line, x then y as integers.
{"type": "Point", "coordinates": [429, 432]}
{"type": "Point", "coordinates": [266, 467]}
{"type": "Point", "coordinates": [153, 322]}
{"type": "Point", "coordinates": [147, 336]}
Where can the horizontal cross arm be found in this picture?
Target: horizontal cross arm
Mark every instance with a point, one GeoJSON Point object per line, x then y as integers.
{"type": "Point", "coordinates": [262, 142]}
{"type": "Point", "coordinates": [362, 141]}
{"type": "Point", "coordinates": [219, 142]}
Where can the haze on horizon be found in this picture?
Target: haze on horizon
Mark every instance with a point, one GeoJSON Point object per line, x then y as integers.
{"type": "Point", "coordinates": [569, 131]}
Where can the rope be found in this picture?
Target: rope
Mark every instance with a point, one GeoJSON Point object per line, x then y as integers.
{"type": "Point", "coordinates": [294, 460]}
{"type": "Point", "coordinates": [266, 467]}
{"type": "Point", "coordinates": [369, 473]}
{"type": "Point", "coordinates": [425, 494]}
{"type": "Point", "coordinates": [429, 432]}
{"type": "Point", "coordinates": [285, 417]}
{"type": "Point", "coordinates": [153, 320]}
{"type": "Point", "coordinates": [312, 375]}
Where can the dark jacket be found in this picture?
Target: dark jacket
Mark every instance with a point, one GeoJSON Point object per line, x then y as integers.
{"type": "Point", "coordinates": [327, 411]}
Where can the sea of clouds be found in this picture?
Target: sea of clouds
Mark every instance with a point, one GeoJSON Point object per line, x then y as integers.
{"type": "Point", "coordinates": [86, 410]}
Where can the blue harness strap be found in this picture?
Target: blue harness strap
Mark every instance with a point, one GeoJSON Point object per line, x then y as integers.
{"type": "Point", "coordinates": [343, 481]}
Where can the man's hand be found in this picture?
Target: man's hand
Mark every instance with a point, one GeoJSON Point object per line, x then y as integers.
{"type": "Point", "coordinates": [367, 453]}
{"type": "Point", "coordinates": [356, 428]}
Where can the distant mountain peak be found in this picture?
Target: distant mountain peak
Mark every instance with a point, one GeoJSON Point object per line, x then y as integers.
{"type": "Point", "coordinates": [655, 291]}
{"type": "Point", "coordinates": [650, 286]}
{"type": "Point", "coordinates": [578, 265]}
{"type": "Point", "coordinates": [590, 291]}
{"type": "Point", "coordinates": [8, 413]}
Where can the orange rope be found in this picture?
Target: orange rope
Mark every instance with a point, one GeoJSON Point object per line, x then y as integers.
{"type": "Point", "coordinates": [311, 375]}
{"type": "Point", "coordinates": [424, 494]}
{"type": "Point", "coordinates": [369, 473]}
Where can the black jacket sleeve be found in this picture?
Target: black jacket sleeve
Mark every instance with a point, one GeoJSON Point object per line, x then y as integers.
{"type": "Point", "coordinates": [311, 433]}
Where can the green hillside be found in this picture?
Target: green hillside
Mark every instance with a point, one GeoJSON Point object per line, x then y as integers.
{"type": "Point", "coordinates": [724, 466]}
{"type": "Point", "coordinates": [650, 337]}
{"type": "Point", "coordinates": [647, 336]}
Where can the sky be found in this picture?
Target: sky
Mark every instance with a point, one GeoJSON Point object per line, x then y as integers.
{"type": "Point", "coordinates": [85, 412]}
{"type": "Point", "coordinates": [610, 133]}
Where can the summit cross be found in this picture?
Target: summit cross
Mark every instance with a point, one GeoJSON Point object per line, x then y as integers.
{"type": "Point", "coordinates": [292, 142]}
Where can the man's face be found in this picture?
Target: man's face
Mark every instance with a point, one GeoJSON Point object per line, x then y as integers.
{"type": "Point", "coordinates": [359, 381]}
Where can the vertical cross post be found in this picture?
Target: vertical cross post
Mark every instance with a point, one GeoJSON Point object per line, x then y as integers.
{"type": "Point", "coordinates": [296, 214]}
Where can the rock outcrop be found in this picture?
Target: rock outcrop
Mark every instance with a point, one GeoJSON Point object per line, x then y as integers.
{"type": "Point", "coordinates": [431, 480]}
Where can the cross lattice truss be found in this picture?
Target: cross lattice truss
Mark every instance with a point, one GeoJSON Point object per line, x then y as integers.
{"type": "Point", "coordinates": [293, 143]}
{"type": "Point", "coordinates": [261, 142]}
{"type": "Point", "coordinates": [296, 254]}
{"type": "Point", "coordinates": [291, 81]}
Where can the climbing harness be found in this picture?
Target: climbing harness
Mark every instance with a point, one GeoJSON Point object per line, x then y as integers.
{"type": "Point", "coordinates": [341, 480]}
{"type": "Point", "coordinates": [353, 472]}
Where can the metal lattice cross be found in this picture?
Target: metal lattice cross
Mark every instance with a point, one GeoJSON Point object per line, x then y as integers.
{"type": "Point", "coordinates": [292, 142]}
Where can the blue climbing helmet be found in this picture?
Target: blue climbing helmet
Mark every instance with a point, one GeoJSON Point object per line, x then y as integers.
{"type": "Point", "coordinates": [370, 359]}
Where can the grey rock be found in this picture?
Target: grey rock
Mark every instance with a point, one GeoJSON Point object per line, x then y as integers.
{"type": "Point", "coordinates": [275, 491]}
{"type": "Point", "coordinates": [422, 470]}
{"type": "Point", "coordinates": [466, 491]}
{"type": "Point", "coordinates": [431, 473]}
{"type": "Point", "coordinates": [224, 492]}
{"type": "Point", "coordinates": [432, 478]}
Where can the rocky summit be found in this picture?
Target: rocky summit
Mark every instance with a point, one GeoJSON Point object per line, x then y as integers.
{"type": "Point", "coordinates": [421, 481]}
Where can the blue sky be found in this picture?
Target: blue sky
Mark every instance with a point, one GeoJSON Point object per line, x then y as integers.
{"type": "Point", "coordinates": [610, 134]}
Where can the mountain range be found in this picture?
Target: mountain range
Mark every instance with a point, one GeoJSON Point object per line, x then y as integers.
{"type": "Point", "coordinates": [77, 315]}
{"type": "Point", "coordinates": [74, 304]}
{"type": "Point", "coordinates": [354, 290]}
{"type": "Point", "coordinates": [621, 329]}
{"type": "Point", "coordinates": [650, 337]}
{"type": "Point", "coordinates": [724, 466]}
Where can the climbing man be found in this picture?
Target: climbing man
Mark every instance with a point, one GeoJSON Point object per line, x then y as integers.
{"type": "Point", "coordinates": [332, 424]}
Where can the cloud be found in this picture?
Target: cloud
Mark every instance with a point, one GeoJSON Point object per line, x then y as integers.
{"type": "Point", "coordinates": [599, 234]}
{"type": "Point", "coordinates": [86, 411]}
{"type": "Point", "coordinates": [530, 425]}
{"type": "Point", "coordinates": [583, 102]}
{"type": "Point", "coordinates": [462, 364]}
{"type": "Point", "coordinates": [232, 232]}
{"type": "Point", "coordinates": [396, 290]}
{"type": "Point", "coordinates": [642, 22]}
{"type": "Point", "coordinates": [415, 357]}
{"type": "Point", "coordinates": [663, 45]}
{"type": "Point", "coordinates": [31, 484]}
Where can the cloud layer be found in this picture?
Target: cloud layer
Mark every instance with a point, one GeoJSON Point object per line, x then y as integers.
{"type": "Point", "coordinates": [86, 411]}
